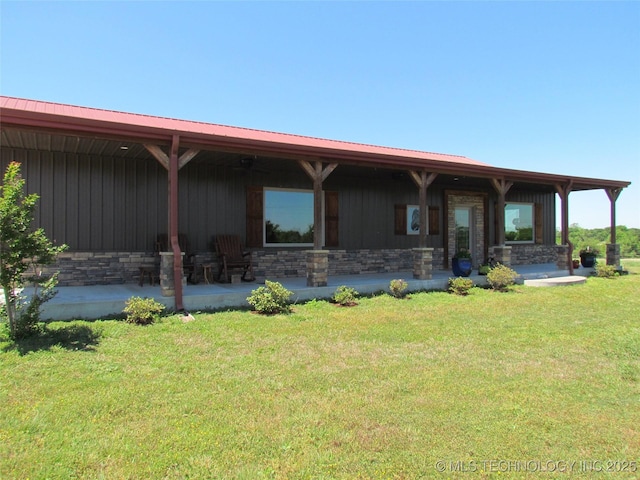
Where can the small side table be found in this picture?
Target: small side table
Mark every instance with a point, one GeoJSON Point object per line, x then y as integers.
{"type": "Point", "coordinates": [150, 273]}
{"type": "Point", "coordinates": [207, 273]}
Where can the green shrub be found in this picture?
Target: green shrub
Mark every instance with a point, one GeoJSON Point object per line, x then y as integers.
{"type": "Point", "coordinates": [460, 285]}
{"type": "Point", "coordinates": [501, 277]}
{"type": "Point", "coordinates": [398, 287]}
{"type": "Point", "coordinates": [142, 311]}
{"type": "Point", "coordinates": [345, 296]}
{"type": "Point", "coordinates": [606, 271]}
{"type": "Point", "coordinates": [271, 299]}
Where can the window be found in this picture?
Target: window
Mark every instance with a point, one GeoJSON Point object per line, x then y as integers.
{"type": "Point", "coordinates": [463, 217]}
{"type": "Point", "coordinates": [288, 217]}
{"type": "Point", "coordinates": [407, 220]}
{"type": "Point", "coordinates": [518, 222]}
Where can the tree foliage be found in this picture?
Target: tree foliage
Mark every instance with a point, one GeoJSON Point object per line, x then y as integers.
{"type": "Point", "coordinates": [22, 250]}
{"type": "Point", "coordinates": [627, 238]}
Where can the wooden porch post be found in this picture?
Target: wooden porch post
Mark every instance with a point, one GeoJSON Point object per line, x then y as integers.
{"type": "Point", "coordinates": [501, 186]}
{"type": "Point", "coordinates": [318, 175]}
{"type": "Point", "coordinates": [613, 250]}
{"type": "Point", "coordinates": [563, 191]}
{"type": "Point", "coordinates": [172, 163]}
{"type": "Point", "coordinates": [613, 194]}
{"type": "Point", "coordinates": [173, 221]}
{"type": "Point", "coordinates": [423, 256]}
{"type": "Point", "coordinates": [317, 259]}
{"type": "Point", "coordinates": [422, 180]}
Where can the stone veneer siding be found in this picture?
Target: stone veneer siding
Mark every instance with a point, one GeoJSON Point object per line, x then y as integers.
{"type": "Point", "coordinates": [111, 268]}
{"type": "Point", "coordinates": [529, 254]}
{"type": "Point", "coordinates": [100, 268]}
{"type": "Point", "coordinates": [476, 202]}
{"type": "Point", "coordinates": [293, 263]}
{"type": "Point", "coordinates": [106, 268]}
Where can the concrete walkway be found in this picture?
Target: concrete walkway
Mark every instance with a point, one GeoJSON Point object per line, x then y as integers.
{"type": "Point", "coordinates": [102, 301]}
{"type": "Point", "coordinates": [556, 282]}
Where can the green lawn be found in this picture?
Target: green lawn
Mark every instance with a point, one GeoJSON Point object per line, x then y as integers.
{"type": "Point", "coordinates": [386, 389]}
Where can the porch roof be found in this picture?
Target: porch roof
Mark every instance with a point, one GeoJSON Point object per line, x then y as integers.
{"type": "Point", "coordinates": [74, 120]}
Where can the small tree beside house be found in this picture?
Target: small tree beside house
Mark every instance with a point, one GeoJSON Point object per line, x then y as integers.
{"type": "Point", "coordinates": [22, 251]}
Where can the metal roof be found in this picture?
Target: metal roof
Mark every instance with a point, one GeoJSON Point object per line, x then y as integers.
{"type": "Point", "coordinates": [70, 119]}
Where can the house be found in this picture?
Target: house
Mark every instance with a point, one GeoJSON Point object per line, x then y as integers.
{"type": "Point", "coordinates": [110, 183]}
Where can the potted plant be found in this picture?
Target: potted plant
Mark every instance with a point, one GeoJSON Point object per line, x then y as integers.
{"type": "Point", "coordinates": [588, 257]}
{"type": "Point", "coordinates": [461, 263]}
{"type": "Point", "coordinates": [486, 267]}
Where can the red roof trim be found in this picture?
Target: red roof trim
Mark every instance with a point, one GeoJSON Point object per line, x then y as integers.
{"type": "Point", "coordinates": [70, 118]}
{"type": "Point", "coordinates": [87, 116]}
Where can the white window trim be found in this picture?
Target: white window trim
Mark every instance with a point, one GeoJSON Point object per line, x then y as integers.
{"type": "Point", "coordinates": [533, 224]}
{"type": "Point", "coordinates": [264, 218]}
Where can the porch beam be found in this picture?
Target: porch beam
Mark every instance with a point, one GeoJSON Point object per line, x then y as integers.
{"type": "Point", "coordinates": [501, 186]}
{"type": "Point", "coordinates": [186, 157]}
{"type": "Point", "coordinates": [422, 179]}
{"type": "Point", "coordinates": [173, 221]}
{"type": "Point", "coordinates": [613, 194]}
{"type": "Point", "coordinates": [563, 191]}
{"type": "Point", "coordinates": [326, 171]}
{"type": "Point", "coordinates": [158, 154]}
{"type": "Point", "coordinates": [163, 158]}
{"type": "Point", "coordinates": [312, 171]}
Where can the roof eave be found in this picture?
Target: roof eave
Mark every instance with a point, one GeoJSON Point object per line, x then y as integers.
{"type": "Point", "coordinates": [145, 133]}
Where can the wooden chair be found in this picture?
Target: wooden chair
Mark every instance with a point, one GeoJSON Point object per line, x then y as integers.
{"type": "Point", "coordinates": [189, 261]}
{"type": "Point", "coordinates": [231, 256]}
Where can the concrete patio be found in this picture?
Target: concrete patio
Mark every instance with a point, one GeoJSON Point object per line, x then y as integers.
{"type": "Point", "coordinates": [92, 302]}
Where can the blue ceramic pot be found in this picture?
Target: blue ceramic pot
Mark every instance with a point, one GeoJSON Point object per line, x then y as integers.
{"type": "Point", "coordinates": [461, 266]}
{"type": "Point", "coordinates": [588, 260]}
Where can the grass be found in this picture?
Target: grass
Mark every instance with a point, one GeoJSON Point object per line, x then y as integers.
{"type": "Point", "coordinates": [385, 389]}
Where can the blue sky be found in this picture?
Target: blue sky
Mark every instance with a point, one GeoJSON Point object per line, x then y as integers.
{"type": "Point", "coordinates": [542, 86]}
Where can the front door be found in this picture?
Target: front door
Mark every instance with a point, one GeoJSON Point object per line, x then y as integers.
{"type": "Point", "coordinates": [465, 224]}
{"type": "Point", "coordinates": [464, 230]}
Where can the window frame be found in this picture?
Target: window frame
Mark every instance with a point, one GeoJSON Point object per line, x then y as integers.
{"type": "Point", "coordinates": [533, 224]}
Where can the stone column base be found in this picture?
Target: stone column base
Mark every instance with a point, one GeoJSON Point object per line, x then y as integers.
{"type": "Point", "coordinates": [167, 285]}
{"type": "Point", "coordinates": [613, 254]}
{"type": "Point", "coordinates": [317, 268]}
{"type": "Point", "coordinates": [422, 263]}
{"type": "Point", "coordinates": [562, 262]}
{"type": "Point", "coordinates": [501, 254]}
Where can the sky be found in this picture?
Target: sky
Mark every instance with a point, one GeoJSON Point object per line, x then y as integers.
{"type": "Point", "coordinates": [545, 86]}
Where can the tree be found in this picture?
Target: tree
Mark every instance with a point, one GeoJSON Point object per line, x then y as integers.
{"type": "Point", "coordinates": [22, 250]}
{"type": "Point", "coordinates": [627, 238]}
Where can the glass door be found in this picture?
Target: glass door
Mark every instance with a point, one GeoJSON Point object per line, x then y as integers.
{"type": "Point", "coordinates": [464, 230]}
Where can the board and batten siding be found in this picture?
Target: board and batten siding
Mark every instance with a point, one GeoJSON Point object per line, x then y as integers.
{"type": "Point", "coordinates": [367, 212]}
{"type": "Point", "coordinates": [95, 203]}
{"type": "Point", "coordinates": [101, 203]}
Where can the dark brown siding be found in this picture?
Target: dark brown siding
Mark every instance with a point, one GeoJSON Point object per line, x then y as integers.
{"type": "Point", "coordinates": [332, 219]}
{"type": "Point", "coordinates": [368, 217]}
{"type": "Point", "coordinates": [95, 203]}
{"type": "Point", "coordinates": [255, 217]}
{"type": "Point", "coordinates": [120, 204]}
